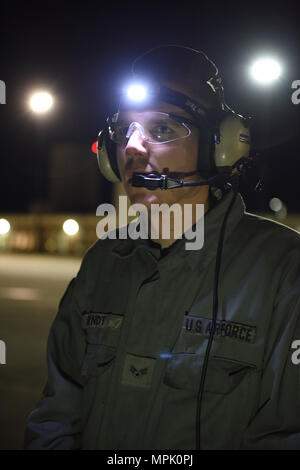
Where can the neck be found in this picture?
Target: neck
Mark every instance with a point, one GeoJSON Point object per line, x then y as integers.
{"type": "Point", "coordinates": [167, 227]}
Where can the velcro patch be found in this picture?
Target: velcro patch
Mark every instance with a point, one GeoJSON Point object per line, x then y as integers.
{"type": "Point", "coordinates": [193, 324]}
{"type": "Point", "coordinates": [102, 320]}
{"type": "Point", "coordinates": [138, 370]}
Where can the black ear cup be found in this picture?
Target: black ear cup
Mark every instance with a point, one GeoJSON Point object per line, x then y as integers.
{"type": "Point", "coordinates": [206, 148]}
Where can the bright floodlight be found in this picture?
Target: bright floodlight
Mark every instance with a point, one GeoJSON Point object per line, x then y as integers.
{"type": "Point", "coordinates": [4, 226]}
{"type": "Point", "coordinates": [70, 227]}
{"type": "Point", "coordinates": [41, 102]}
{"type": "Point", "coordinates": [265, 70]}
{"type": "Point", "coordinates": [136, 93]}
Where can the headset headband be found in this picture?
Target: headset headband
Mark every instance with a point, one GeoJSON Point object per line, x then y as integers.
{"type": "Point", "coordinates": [157, 93]}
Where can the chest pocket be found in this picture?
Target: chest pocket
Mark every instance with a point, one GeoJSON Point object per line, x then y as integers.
{"type": "Point", "coordinates": [223, 376]}
{"type": "Point", "coordinates": [226, 371]}
{"type": "Point", "coordinates": [102, 337]}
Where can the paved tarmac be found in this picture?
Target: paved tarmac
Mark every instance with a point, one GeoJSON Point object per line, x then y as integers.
{"type": "Point", "coordinates": [31, 287]}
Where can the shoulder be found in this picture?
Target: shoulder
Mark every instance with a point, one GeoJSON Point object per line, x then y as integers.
{"type": "Point", "coordinates": [109, 249]}
{"type": "Point", "coordinates": [271, 234]}
{"type": "Point", "coordinates": [272, 247]}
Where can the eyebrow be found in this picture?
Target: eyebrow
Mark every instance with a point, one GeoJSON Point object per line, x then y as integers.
{"type": "Point", "coordinates": [122, 118]}
{"type": "Point", "coordinates": [185, 119]}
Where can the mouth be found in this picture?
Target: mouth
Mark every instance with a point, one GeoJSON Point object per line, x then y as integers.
{"type": "Point", "coordinates": [142, 172]}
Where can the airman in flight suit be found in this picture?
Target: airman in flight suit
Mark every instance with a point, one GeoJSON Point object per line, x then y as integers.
{"type": "Point", "coordinates": [128, 350]}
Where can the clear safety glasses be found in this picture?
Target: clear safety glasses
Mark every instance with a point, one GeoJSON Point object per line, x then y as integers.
{"type": "Point", "coordinates": [153, 126]}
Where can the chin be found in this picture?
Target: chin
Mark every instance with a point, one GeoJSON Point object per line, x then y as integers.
{"type": "Point", "coordinates": [144, 196]}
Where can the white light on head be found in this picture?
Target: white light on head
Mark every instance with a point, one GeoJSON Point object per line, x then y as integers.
{"type": "Point", "coordinates": [265, 70]}
{"type": "Point", "coordinates": [136, 93]}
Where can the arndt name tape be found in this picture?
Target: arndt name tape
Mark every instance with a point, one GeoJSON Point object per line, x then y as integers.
{"type": "Point", "coordinates": [102, 320]}
{"type": "Point", "coordinates": [198, 325]}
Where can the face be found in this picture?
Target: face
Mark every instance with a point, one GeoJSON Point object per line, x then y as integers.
{"type": "Point", "coordinates": [181, 155]}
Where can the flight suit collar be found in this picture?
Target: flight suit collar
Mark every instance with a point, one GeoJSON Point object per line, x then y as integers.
{"type": "Point", "coordinates": [195, 258]}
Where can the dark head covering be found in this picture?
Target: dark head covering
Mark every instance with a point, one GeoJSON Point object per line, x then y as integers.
{"type": "Point", "coordinates": [181, 68]}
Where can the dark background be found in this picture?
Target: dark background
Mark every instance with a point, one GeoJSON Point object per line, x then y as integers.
{"type": "Point", "coordinates": [82, 52]}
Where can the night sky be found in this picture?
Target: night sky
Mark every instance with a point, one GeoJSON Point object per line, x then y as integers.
{"type": "Point", "coordinates": [82, 52]}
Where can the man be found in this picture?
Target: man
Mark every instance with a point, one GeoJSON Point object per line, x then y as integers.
{"type": "Point", "coordinates": [160, 347]}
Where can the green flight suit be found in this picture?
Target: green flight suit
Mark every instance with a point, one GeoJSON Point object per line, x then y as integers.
{"type": "Point", "coordinates": [125, 351]}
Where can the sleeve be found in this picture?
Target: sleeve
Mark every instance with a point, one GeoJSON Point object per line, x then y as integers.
{"type": "Point", "coordinates": [56, 421]}
{"type": "Point", "coordinates": [276, 422]}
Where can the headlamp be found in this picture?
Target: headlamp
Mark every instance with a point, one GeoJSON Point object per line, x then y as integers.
{"type": "Point", "coordinates": [136, 93]}
{"type": "Point", "coordinates": [141, 94]}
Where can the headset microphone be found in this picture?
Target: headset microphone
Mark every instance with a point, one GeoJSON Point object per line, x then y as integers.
{"type": "Point", "coordinates": [152, 181]}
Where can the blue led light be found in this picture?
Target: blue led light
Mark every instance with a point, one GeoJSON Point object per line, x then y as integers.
{"type": "Point", "coordinates": [165, 355]}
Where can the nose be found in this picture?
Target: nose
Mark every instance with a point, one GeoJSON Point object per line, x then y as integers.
{"type": "Point", "coordinates": [136, 145]}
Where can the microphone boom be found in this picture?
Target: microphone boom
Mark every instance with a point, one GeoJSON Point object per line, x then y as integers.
{"type": "Point", "coordinates": [152, 181]}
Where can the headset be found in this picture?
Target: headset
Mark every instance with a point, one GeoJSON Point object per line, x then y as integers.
{"type": "Point", "coordinates": [224, 140]}
{"type": "Point", "coordinates": [224, 152]}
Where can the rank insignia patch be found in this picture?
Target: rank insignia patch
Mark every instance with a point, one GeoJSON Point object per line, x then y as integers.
{"type": "Point", "coordinates": [138, 370]}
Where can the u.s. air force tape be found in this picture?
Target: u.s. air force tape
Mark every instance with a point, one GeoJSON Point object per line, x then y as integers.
{"type": "Point", "coordinates": [193, 324]}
